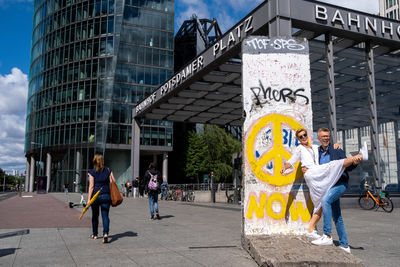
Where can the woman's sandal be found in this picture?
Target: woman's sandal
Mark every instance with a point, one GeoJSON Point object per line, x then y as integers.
{"type": "Point", "coordinates": [105, 239]}
{"type": "Point", "coordinates": [93, 236]}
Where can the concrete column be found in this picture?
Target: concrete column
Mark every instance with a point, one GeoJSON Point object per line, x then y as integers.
{"type": "Point", "coordinates": [78, 170]}
{"type": "Point", "coordinates": [165, 166]}
{"type": "Point", "coordinates": [135, 151]}
{"type": "Point", "coordinates": [280, 23]}
{"type": "Point", "coordinates": [32, 174]}
{"type": "Point", "coordinates": [27, 171]}
{"type": "Point", "coordinates": [48, 170]}
{"type": "Point", "coordinates": [397, 142]}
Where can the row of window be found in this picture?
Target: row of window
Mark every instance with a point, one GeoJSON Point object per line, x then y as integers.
{"type": "Point", "coordinates": [393, 14]}
{"type": "Point", "coordinates": [85, 133]}
{"type": "Point", "coordinates": [76, 32]}
{"type": "Point", "coordinates": [147, 37]}
{"type": "Point", "coordinates": [164, 5]}
{"type": "Point", "coordinates": [79, 51]}
{"type": "Point", "coordinates": [83, 90]}
{"type": "Point", "coordinates": [128, 93]}
{"type": "Point", "coordinates": [65, 134]}
{"type": "Point", "coordinates": [76, 71]}
{"type": "Point", "coordinates": [146, 56]}
{"type": "Point", "coordinates": [141, 75]}
{"type": "Point", "coordinates": [156, 136]}
{"type": "Point", "coordinates": [70, 113]}
{"type": "Point", "coordinates": [138, 16]}
{"type": "Point", "coordinates": [390, 3]}
{"type": "Point", "coordinates": [85, 10]}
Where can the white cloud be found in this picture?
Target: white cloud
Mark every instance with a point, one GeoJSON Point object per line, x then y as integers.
{"type": "Point", "coordinates": [13, 91]}
{"type": "Point", "coordinates": [225, 20]}
{"type": "Point", "coordinates": [369, 6]}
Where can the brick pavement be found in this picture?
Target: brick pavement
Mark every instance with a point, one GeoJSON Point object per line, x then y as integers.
{"type": "Point", "coordinates": [39, 211]}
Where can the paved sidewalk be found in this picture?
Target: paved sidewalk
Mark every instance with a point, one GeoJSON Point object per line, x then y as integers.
{"type": "Point", "coordinates": [185, 236]}
{"type": "Point", "coordinates": [198, 234]}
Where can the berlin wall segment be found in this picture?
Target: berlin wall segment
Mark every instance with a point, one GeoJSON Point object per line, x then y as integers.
{"type": "Point", "coordinates": [276, 101]}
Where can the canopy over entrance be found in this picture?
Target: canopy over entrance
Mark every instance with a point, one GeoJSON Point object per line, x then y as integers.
{"type": "Point", "coordinates": [355, 70]}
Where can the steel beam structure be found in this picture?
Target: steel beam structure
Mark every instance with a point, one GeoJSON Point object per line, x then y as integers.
{"type": "Point", "coordinates": [373, 116]}
{"type": "Point", "coordinates": [331, 86]}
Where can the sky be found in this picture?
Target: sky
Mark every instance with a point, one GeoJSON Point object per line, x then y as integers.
{"type": "Point", "coordinates": [16, 31]}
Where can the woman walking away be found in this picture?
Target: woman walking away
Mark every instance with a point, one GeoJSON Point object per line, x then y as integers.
{"type": "Point", "coordinates": [152, 181]}
{"type": "Point", "coordinates": [99, 179]}
{"type": "Point", "coordinates": [319, 178]}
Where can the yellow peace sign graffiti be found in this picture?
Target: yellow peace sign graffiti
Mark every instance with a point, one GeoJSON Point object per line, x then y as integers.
{"type": "Point", "coordinates": [277, 153]}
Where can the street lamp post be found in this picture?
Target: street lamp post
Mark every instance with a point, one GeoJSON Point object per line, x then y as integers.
{"type": "Point", "coordinates": [40, 160]}
{"type": "Point", "coordinates": [4, 182]}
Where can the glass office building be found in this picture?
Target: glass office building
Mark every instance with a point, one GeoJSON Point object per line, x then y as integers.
{"type": "Point", "coordinates": [91, 62]}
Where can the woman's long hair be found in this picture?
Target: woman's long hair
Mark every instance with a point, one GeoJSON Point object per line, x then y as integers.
{"type": "Point", "coordinates": [98, 162]}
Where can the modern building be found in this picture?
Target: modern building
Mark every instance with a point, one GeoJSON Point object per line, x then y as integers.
{"type": "Point", "coordinates": [389, 9]}
{"type": "Point", "coordinates": [91, 62]}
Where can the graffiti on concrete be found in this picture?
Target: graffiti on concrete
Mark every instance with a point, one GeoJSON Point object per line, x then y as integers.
{"type": "Point", "coordinates": [277, 102]}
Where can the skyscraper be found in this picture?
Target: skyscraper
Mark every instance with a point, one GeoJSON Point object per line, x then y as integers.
{"type": "Point", "coordinates": [91, 62]}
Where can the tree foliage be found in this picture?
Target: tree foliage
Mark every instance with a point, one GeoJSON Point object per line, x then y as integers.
{"type": "Point", "coordinates": [209, 151]}
{"type": "Point", "coordinates": [10, 179]}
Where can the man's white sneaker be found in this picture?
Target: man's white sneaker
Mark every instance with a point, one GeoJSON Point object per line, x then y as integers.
{"type": "Point", "coordinates": [323, 241]}
{"type": "Point", "coordinates": [364, 151]}
{"type": "Point", "coordinates": [313, 235]}
{"type": "Point", "coordinates": [347, 249]}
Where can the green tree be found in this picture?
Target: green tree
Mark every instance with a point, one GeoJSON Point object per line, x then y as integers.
{"type": "Point", "coordinates": [195, 157]}
{"type": "Point", "coordinates": [10, 179]}
{"type": "Point", "coordinates": [209, 151]}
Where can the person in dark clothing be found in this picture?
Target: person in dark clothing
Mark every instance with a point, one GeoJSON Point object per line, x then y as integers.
{"type": "Point", "coordinates": [99, 179]}
{"type": "Point", "coordinates": [141, 187]}
{"type": "Point", "coordinates": [152, 182]}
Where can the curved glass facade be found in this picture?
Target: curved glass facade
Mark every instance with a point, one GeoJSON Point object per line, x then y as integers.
{"type": "Point", "coordinates": [91, 62]}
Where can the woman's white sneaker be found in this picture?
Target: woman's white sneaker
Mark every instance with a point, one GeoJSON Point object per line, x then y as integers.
{"type": "Point", "coordinates": [323, 241]}
{"type": "Point", "coordinates": [364, 151]}
{"type": "Point", "coordinates": [347, 249]}
{"type": "Point", "coordinates": [313, 235]}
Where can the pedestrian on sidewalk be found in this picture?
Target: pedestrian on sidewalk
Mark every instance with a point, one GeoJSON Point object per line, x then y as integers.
{"type": "Point", "coordinates": [100, 178]}
{"type": "Point", "coordinates": [135, 186]}
{"type": "Point", "coordinates": [153, 180]}
{"type": "Point", "coordinates": [141, 187]}
{"type": "Point", "coordinates": [164, 189]}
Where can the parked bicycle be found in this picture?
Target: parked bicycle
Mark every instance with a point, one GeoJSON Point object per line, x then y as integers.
{"type": "Point", "coordinates": [369, 201]}
{"type": "Point", "coordinates": [188, 196]}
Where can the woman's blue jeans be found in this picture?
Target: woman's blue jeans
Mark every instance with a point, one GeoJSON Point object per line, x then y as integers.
{"type": "Point", "coordinates": [103, 202]}
{"type": "Point", "coordinates": [331, 209]}
{"type": "Point", "coordinates": [153, 202]}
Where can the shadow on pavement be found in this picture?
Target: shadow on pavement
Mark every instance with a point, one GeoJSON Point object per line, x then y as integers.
{"type": "Point", "coordinates": [22, 232]}
{"type": "Point", "coordinates": [166, 216]}
{"type": "Point", "coordinates": [114, 238]}
{"type": "Point", "coordinates": [336, 243]}
{"type": "Point", "coordinates": [7, 251]}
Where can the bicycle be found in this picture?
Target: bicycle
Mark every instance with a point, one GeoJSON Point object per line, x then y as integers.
{"type": "Point", "coordinates": [369, 201]}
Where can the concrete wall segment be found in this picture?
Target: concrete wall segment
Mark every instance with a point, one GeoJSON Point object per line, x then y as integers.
{"type": "Point", "coordinates": [276, 102]}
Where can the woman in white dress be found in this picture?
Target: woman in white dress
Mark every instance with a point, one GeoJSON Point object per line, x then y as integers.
{"type": "Point", "coordinates": [319, 178]}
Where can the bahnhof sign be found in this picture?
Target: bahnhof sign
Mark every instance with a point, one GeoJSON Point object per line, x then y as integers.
{"type": "Point", "coordinates": [355, 80]}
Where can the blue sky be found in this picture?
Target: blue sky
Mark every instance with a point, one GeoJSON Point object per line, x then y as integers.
{"type": "Point", "coordinates": [16, 29]}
